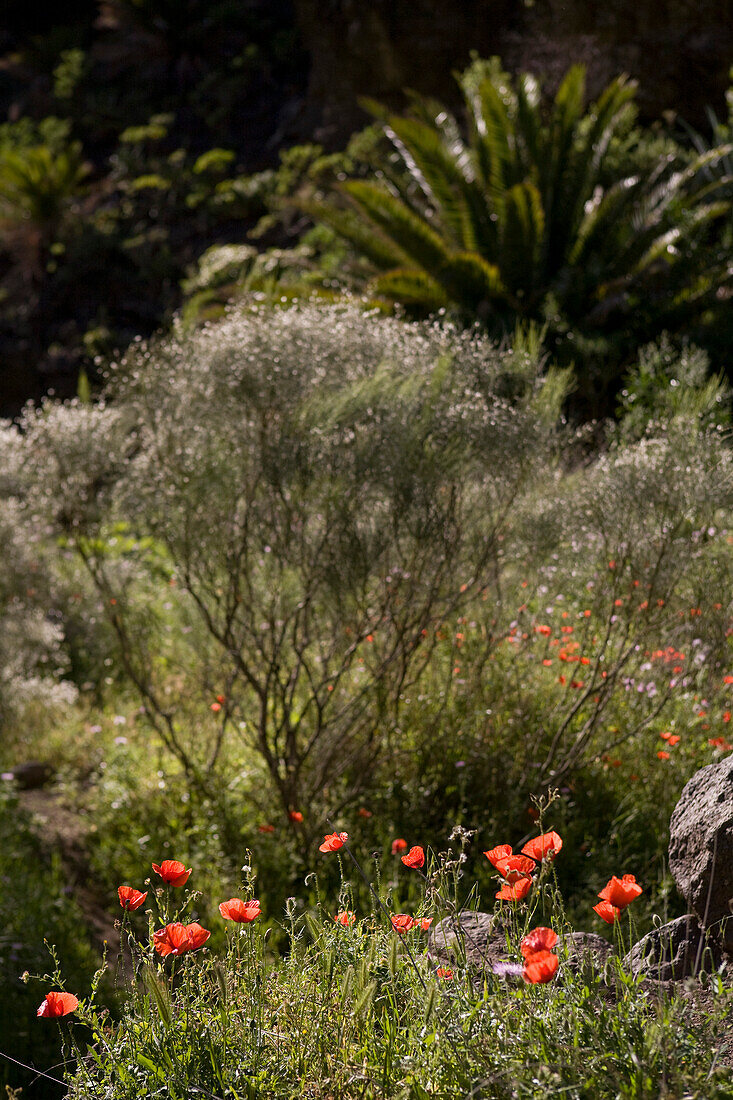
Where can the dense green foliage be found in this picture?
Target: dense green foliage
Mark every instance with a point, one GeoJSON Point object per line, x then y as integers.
{"type": "Point", "coordinates": [529, 218]}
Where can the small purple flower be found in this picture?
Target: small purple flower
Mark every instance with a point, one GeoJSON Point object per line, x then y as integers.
{"type": "Point", "coordinates": [507, 969]}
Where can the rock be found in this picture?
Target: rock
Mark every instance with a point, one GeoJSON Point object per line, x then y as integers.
{"type": "Point", "coordinates": [701, 847]}
{"type": "Point", "coordinates": [680, 949]}
{"type": "Point", "coordinates": [586, 949]}
{"type": "Point", "coordinates": [481, 937]}
{"type": "Point", "coordinates": [31, 775]}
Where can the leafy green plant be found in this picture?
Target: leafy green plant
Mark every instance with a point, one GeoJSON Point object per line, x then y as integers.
{"type": "Point", "coordinates": [519, 221]}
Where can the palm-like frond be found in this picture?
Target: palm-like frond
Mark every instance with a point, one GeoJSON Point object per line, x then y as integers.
{"type": "Point", "coordinates": [519, 213]}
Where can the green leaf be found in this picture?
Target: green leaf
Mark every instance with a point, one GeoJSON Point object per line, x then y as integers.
{"type": "Point", "coordinates": [408, 230]}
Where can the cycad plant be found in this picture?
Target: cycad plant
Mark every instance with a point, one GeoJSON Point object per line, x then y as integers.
{"type": "Point", "coordinates": [518, 215]}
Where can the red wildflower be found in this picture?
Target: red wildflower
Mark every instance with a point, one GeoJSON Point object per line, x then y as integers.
{"type": "Point", "coordinates": [620, 891]}
{"type": "Point", "coordinates": [345, 918]}
{"type": "Point", "coordinates": [172, 940]}
{"type": "Point", "coordinates": [58, 1004]}
{"type": "Point", "coordinates": [402, 923]}
{"type": "Point", "coordinates": [607, 912]}
{"type": "Point", "coordinates": [173, 872]}
{"type": "Point", "coordinates": [216, 707]}
{"type": "Point", "coordinates": [364, 812]}
{"type": "Point", "coordinates": [728, 679]}
{"type": "Point", "coordinates": [176, 939]}
{"type": "Point", "coordinates": [444, 972]}
{"type": "Point", "coordinates": [295, 815]}
{"type": "Point", "coordinates": [265, 828]}
{"type": "Point", "coordinates": [398, 846]}
{"type": "Point", "coordinates": [242, 912]}
{"type": "Point", "coordinates": [512, 868]}
{"type": "Point", "coordinates": [515, 891]}
{"type": "Point", "coordinates": [502, 851]}
{"type": "Point", "coordinates": [537, 941]}
{"type": "Point", "coordinates": [333, 841]}
{"type": "Point", "coordinates": [425, 923]}
{"type": "Point", "coordinates": [415, 857]}
{"type": "Point", "coordinates": [541, 967]}
{"type": "Point", "coordinates": [663, 755]}
{"type": "Point", "coordinates": [543, 847]}
{"type": "Point", "coordinates": [130, 898]}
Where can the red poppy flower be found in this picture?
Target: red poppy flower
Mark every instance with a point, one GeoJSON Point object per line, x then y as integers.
{"type": "Point", "coordinates": [364, 812]}
{"type": "Point", "coordinates": [512, 868]}
{"type": "Point", "coordinates": [333, 841]}
{"type": "Point", "coordinates": [620, 891]}
{"type": "Point", "coordinates": [541, 967]}
{"type": "Point", "coordinates": [172, 872]}
{"type": "Point", "coordinates": [607, 912]}
{"type": "Point", "coordinates": [295, 815]}
{"type": "Point", "coordinates": [241, 912]}
{"type": "Point", "coordinates": [444, 972]}
{"type": "Point", "coordinates": [502, 851]}
{"type": "Point", "coordinates": [538, 940]}
{"type": "Point", "coordinates": [515, 891]}
{"type": "Point", "coordinates": [543, 847]}
{"type": "Point", "coordinates": [402, 923]}
{"type": "Point", "coordinates": [345, 918]}
{"type": "Point", "coordinates": [663, 755]}
{"type": "Point", "coordinates": [415, 857]}
{"type": "Point", "coordinates": [130, 898]}
{"type": "Point", "coordinates": [172, 940]}
{"type": "Point", "coordinates": [425, 923]}
{"type": "Point", "coordinates": [398, 846]}
{"type": "Point", "coordinates": [58, 1004]}
{"type": "Point", "coordinates": [266, 828]}
{"type": "Point", "coordinates": [176, 939]}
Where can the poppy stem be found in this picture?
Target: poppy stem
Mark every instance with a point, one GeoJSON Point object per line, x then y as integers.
{"type": "Point", "coordinates": [383, 908]}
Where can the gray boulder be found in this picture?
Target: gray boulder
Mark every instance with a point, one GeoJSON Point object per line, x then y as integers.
{"type": "Point", "coordinates": [586, 950]}
{"type": "Point", "coordinates": [677, 950]}
{"type": "Point", "coordinates": [478, 938]}
{"type": "Point", "coordinates": [701, 848]}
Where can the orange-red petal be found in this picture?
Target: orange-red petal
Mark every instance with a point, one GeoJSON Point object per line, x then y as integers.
{"type": "Point", "coordinates": [172, 871]}
{"type": "Point", "coordinates": [57, 1004]}
{"type": "Point", "coordinates": [538, 940]}
{"type": "Point", "coordinates": [333, 841]}
{"type": "Point", "coordinates": [542, 847]}
{"type": "Point", "coordinates": [620, 891]}
{"type": "Point", "coordinates": [512, 868]}
{"type": "Point", "coordinates": [607, 912]}
{"type": "Point", "coordinates": [500, 852]}
{"type": "Point", "coordinates": [130, 898]}
{"type": "Point", "coordinates": [541, 967]}
{"type": "Point", "coordinates": [241, 912]}
{"type": "Point", "coordinates": [515, 891]}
